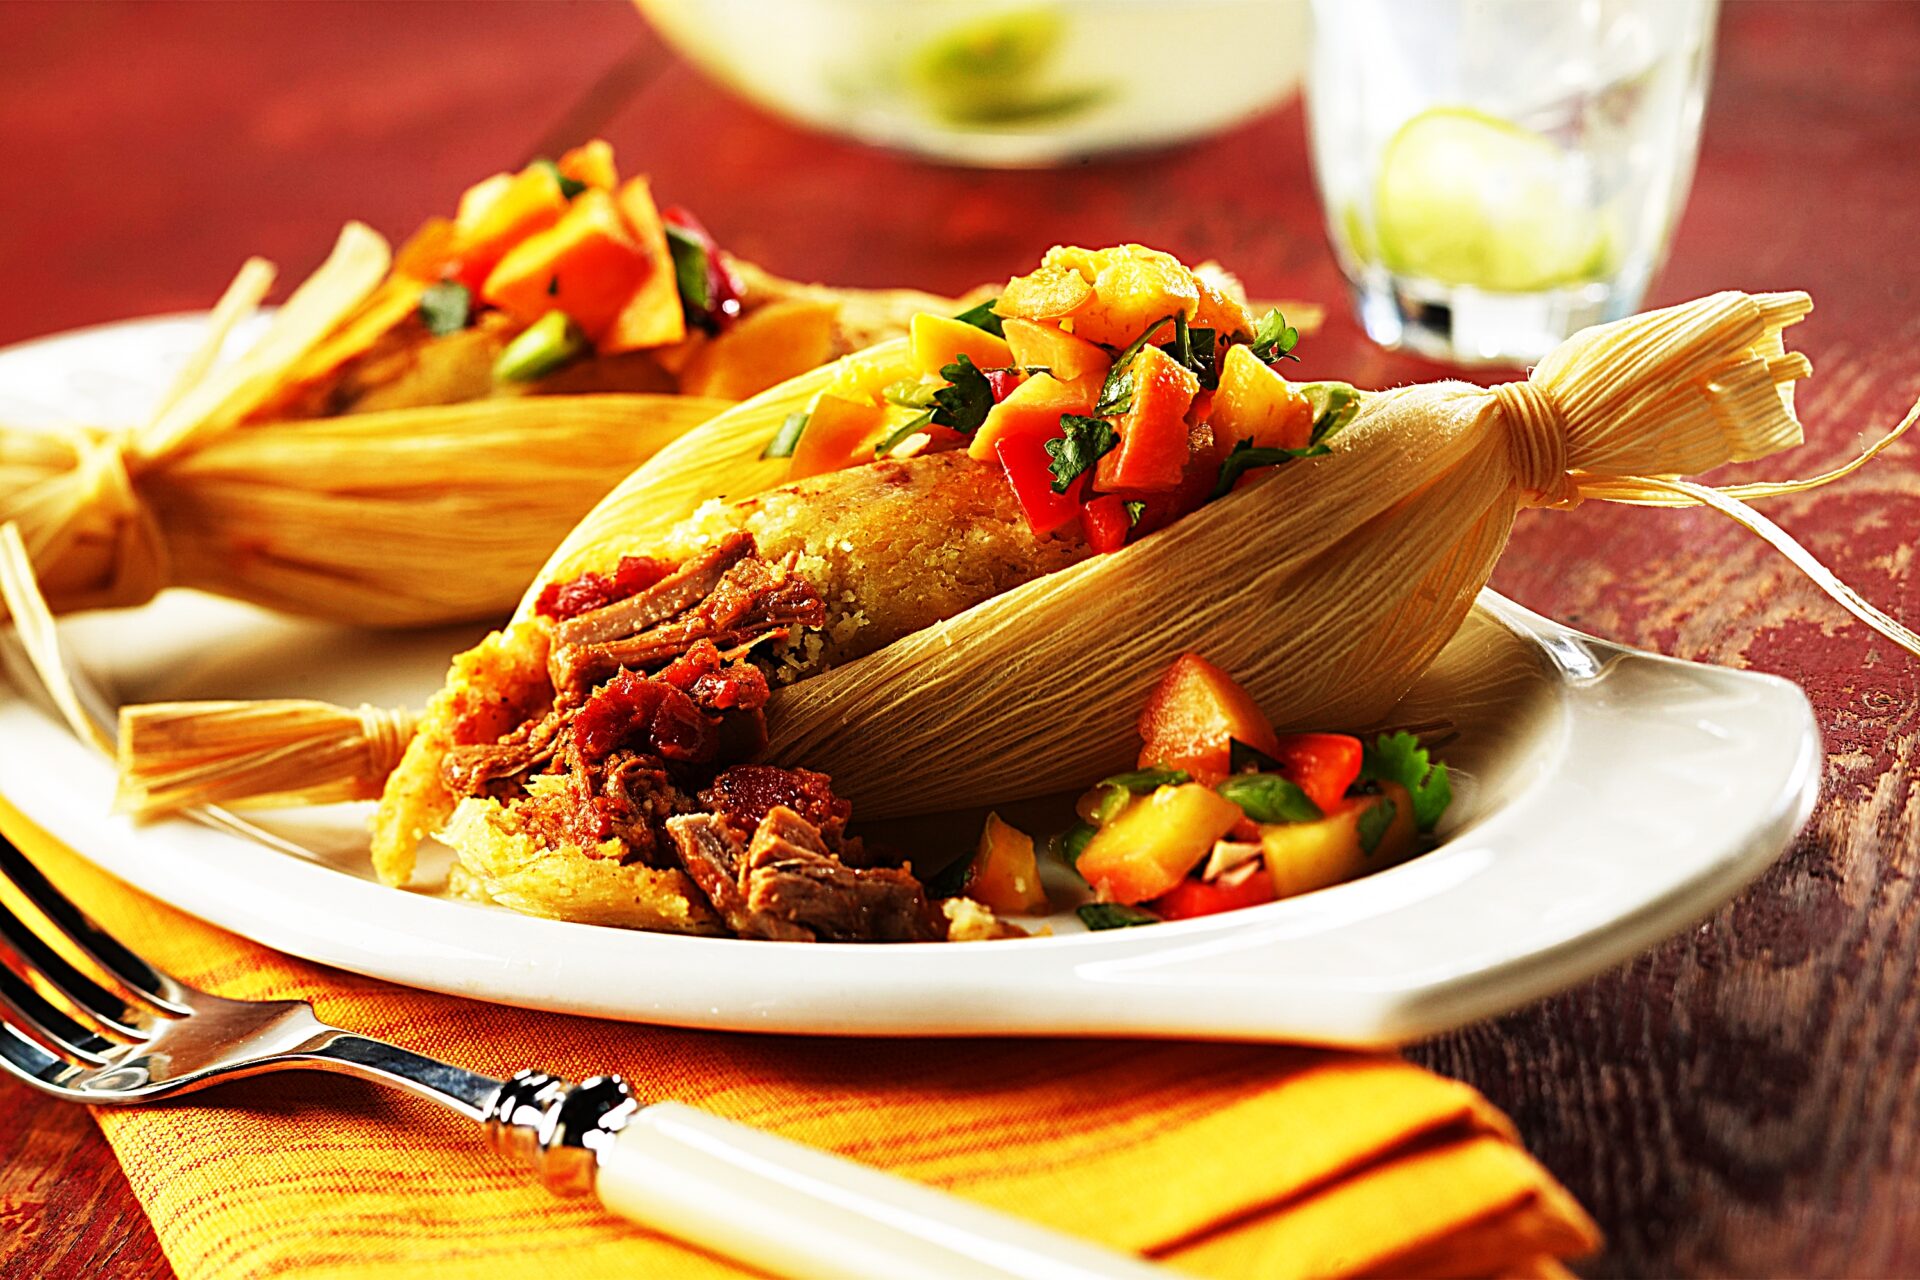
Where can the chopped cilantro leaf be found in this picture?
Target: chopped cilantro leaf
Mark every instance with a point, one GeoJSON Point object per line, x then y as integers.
{"type": "Point", "coordinates": [1086, 441]}
{"type": "Point", "coordinates": [963, 403]}
{"type": "Point", "coordinates": [1197, 351]}
{"type": "Point", "coordinates": [692, 272]}
{"type": "Point", "coordinates": [984, 317]}
{"type": "Point", "coordinates": [1372, 824]}
{"type": "Point", "coordinates": [1113, 915]}
{"type": "Point", "coordinates": [788, 436]}
{"type": "Point", "coordinates": [1116, 393]}
{"type": "Point", "coordinates": [1245, 457]}
{"type": "Point", "coordinates": [1141, 781]}
{"type": "Point", "coordinates": [1134, 511]}
{"type": "Point", "coordinates": [446, 307]}
{"type": "Point", "coordinates": [916, 423]}
{"type": "Point", "coordinates": [1273, 338]}
{"type": "Point", "coordinates": [1399, 757]}
{"type": "Point", "coordinates": [569, 187]}
{"type": "Point", "coordinates": [1268, 797]}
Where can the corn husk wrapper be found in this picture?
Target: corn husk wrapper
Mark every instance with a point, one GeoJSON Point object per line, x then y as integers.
{"type": "Point", "coordinates": [396, 517]}
{"type": "Point", "coordinates": [1326, 589]}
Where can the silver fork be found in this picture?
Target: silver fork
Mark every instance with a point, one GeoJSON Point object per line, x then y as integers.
{"type": "Point", "coordinates": [731, 1190]}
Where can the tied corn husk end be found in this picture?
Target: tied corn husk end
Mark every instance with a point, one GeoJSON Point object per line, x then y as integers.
{"type": "Point", "coordinates": [355, 519]}
{"type": "Point", "coordinates": [175, 755]}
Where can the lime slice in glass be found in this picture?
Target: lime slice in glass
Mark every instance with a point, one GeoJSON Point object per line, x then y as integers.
{"type": "Point", "coordinates": [1467, 198]}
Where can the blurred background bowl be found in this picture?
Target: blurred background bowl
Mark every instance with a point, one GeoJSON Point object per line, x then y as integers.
{"type": "Point", "coordinates": [1005, 83]}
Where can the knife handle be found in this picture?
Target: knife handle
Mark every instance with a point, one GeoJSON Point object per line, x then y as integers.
{"type": "Point", "coordinates": [791, 1210]}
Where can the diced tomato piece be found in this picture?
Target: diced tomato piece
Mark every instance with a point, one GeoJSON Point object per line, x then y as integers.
{"type": "Point", "coordinates": [1195, 715]}
{"type": "Point", "coordinates": [1024, 456]}
{"type": "Point", "coordinates": [1192, 898]}
{"type": "Point", "coordinates": [1158, 510]}
{"type": "Point", "coordinates": [1035, 405]}
{"type": "Point", "coordinates": [1104, 521]}
{"type": "Point", "coordinates": [1004, 381]}
{"type": "Point", "coordinates": [1152, 454]}
{"type": "Point", "coordinates": [839, 434]}
{"type": "Point", "coordinates": [1323, 765]}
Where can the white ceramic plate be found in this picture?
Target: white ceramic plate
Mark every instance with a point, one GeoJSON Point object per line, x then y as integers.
{"type": "Point", "coordinates": [1607, 799]}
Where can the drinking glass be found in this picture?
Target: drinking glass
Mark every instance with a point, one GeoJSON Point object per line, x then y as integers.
{"type": "Point", "coordinates": [1499, 173]}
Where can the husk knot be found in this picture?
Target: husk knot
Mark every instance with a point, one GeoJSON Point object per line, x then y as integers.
{"type": "Point", "coordinates": [387, 733]}
{"type": "Point", "coordinates": [86, 518]}
{"type": "Point", "coordinates": [1537, 443]}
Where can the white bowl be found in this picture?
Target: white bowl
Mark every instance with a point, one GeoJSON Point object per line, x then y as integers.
{"type": "Point", "coordinates": [999, 82]}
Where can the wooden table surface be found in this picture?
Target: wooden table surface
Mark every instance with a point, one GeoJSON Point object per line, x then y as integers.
{"type": "Point", "coordinates": [1741, 1100]}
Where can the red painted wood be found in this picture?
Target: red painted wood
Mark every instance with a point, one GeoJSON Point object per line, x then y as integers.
{"type": "Point", "coordinates": [1739, 1101]}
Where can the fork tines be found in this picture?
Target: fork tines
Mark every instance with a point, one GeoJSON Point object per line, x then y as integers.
{"type": "Point", "coordinates": [38, 1038]}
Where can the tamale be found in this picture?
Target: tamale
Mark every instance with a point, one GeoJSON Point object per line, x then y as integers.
{"type": "Point", "coordinates": [1326, 585]}
{"type": "Point", "coordinates": [355, 450]}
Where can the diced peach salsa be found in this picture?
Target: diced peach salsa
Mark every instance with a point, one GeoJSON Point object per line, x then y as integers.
{"type": "Point", "coordinates": [1115, 389]}
{"type": "Point", "coordinates": [579, 260]}
{"type": "Point", "coordinates": [1222, 813]}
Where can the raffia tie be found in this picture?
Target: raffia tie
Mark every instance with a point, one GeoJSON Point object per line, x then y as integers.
{"type": "Point", "coordinates": [1537, 443]}
{"type": "Point", "coordinates": [387, 733]}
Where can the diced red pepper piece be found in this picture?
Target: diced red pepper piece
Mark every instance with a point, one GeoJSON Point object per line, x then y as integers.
{"type": "Point", "coordinates": [1158, 510]}
{"type": "Point", "coordinates": [1192, 898]}
{"type": "Point", "coordinates": [1152, 454]}
{"type": "Point", "coordinates": [1003, 381]}
{"type": "Point", "coordinates": [1035, 404]}
{"type": "Point", "coordinates": [1323, 765]}
{"type": "Point", "coordinates": [1023, 454]}
{"type": "Point", "coordinates": [1104, 521]}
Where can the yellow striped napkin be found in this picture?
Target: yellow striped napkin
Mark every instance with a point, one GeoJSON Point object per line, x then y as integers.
{"type": "Point", "coordinates": [1222, 1160]}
